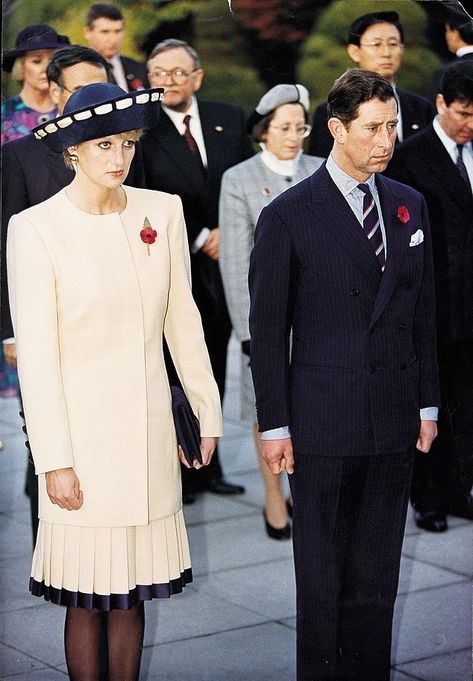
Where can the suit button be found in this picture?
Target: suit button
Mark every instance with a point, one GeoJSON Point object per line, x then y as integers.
{"type": "Point", "coordinates": [354, 292]}
{"type": "Point", "coordinates": [407, 285]}
{"type": "Point", "coordinates": [373, 367]}
{"type": "Point", "coordinates": [403, 365]}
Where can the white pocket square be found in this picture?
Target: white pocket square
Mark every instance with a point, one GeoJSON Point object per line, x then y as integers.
{"type": "Point", "coordinates": [417, 238]}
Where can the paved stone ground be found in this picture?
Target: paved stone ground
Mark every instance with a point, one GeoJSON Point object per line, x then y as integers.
{"type": "Point", "coordinates": [236, 622]}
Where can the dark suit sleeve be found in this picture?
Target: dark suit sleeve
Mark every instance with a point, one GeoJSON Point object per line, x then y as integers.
{"type": "Point", "coordinates": [273, 267]}
{"type": "Point", "coordinates": [136, 176]}
{"type": "Point", "coordinates": [320, 140]}
{"type": "Point", "coordinates": [425, 333]}
{"type": "Point", "coordinates": [14, 199]}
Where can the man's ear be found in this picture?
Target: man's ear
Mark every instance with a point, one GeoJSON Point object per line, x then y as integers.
{"type": "Point", "coordinates": [337, 130]}
{"type": "Point", "coordinates": [354, 52]}
{"type": "Point", "coordinates": [198, 78]}
{"type": "Point", "coordinates": [54, 92]}
{"type": "Point", "coordinates": [440, 103]}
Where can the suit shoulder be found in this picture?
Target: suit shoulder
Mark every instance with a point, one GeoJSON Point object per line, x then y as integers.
{"type": "Point", "coordinates": [291, 198]}
{"type": "Point", "coordinates": [404, 191]}
{"type": "Point", "coordinates": [242, 168]}
{"type": "Point", "coordinates": [220, 107]}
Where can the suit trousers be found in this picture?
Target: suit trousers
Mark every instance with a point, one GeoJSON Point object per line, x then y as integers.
{"type": "Point", "coordinates": [348, 528]}
{"type": "Point", "coordinates": [443, 478]}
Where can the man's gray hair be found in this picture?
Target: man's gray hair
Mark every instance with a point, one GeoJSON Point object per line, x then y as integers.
{"type": "Point", "coordinates": [172, 44]}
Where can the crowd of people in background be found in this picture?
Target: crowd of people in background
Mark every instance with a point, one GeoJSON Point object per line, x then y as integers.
{"type": "Point", "coordinates": [226, 171]}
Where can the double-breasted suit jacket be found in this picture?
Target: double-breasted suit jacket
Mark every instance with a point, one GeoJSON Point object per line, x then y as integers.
{"type": "Point", "coordinates": [171, 167]}
{"type": "Point", "coordinates": [32, 173]}
{"type": "Point", "coordinates": [417, 112]}
{"type": "Point", "coordinates": [363, 357]}
{"type": "Point", "coordinates": [91, 302]}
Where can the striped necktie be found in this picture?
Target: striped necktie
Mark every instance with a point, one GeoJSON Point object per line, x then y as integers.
{"type": "Point", "coordinates": [371, 225]}
{"type": "Point", "coordinates": [461, 164]}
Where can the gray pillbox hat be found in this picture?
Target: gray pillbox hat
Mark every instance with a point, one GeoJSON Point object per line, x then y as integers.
{"type": "Point", "coordinates": [278, 95]}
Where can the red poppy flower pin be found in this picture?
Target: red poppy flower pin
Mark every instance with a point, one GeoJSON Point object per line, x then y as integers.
{"type": "Point", "coordinates": [403, 214]}
{"type": "Point", "coordinates": [148, 234]}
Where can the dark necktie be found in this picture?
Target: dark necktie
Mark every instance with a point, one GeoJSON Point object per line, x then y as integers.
{"type": "Point", "coordinates": [371, 225]}
{"type": "Point", "coordinates": [190, 141]}
{"type": "Point", "coordinates": [461, 164]}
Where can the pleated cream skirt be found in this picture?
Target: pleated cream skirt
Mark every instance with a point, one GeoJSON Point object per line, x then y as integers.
{"type": "Point", "coordinates": [110, 568]}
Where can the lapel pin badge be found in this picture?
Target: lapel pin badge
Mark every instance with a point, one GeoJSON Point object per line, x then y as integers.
{"type": "Point", "coordinates": [265, 191]}
{"type": "Point", "coordinates": [218, 128]}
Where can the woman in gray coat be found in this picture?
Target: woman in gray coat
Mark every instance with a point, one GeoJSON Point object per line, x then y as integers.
{"type": "Point", "coordinates": [279, 124]}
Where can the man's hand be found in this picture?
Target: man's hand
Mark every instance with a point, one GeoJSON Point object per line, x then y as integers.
{"type": "Point", "coordinates": [427, 434]}
{"type": "Point", "coordinates": [278, 455]}
{"type": "Point", "coordinates": [63, 488]}
{"type": "Point", "coordinates": [207, 448]}
{"type": "Point", "coordinates": [212, 245]}
{"type": "Point", "coordinates": [9, 352]}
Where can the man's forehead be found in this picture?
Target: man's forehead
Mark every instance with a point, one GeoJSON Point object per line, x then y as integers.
{"type": "Point", "coordinates": [376, 106]}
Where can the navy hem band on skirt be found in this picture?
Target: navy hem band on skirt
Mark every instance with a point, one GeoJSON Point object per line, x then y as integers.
{"type": "Point", "coordinates": [142, 592]}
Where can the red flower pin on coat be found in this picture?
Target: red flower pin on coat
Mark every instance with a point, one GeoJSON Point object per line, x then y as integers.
{"type": "Point", "coordinates": [148, 234]}
{"type": "Point", "coordinates": [403, 215]}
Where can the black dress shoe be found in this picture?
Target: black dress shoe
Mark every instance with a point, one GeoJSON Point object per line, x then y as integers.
{"type": "Point", "coordinates": [276, 532]}
{"type": "Point", "coordinates": [188, 497]}
{"type": "Point", "coordinates": [222, 486]}
{"type": "Point", "coordinates": [432, 521]}
{"type": "Point", "coordinates": [463, 508]}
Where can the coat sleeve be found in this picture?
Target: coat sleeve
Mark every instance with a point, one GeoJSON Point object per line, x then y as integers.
{"type": "Point", "coordinates": [185, 337]}
{"type": "Point", "coordinates": [425, 333]}
{"type": "Point", "coordinates": [34, 310]}
{"type": "Point", "coordinates": [273, 269]}
{"type": "Point", "coordinates": [236, 242]}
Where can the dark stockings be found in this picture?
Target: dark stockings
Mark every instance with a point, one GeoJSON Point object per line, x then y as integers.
{"type": "Point", "coordinates": [104, 645]}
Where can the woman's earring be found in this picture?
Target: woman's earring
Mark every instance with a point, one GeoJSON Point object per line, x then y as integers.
{"type": "Point", "coordinates": [74, 158]}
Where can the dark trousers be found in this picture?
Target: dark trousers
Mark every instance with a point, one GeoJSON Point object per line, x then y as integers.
{"type": "Point", "coordinates": [444, 476]}
{"type": "Point", "coordinates": [348, 527]}
{"type": "Point", "coordinates": [217, 335]}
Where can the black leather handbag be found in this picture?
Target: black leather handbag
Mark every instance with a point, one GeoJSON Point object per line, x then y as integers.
{"type": "Point", "coordinates": [186, 424]}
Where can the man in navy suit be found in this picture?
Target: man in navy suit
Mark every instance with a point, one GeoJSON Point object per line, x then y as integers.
{"type": "Point", "coordinates": [343, 358]}
{"type": "Point", "coordinates": [104, 31]}
{"type": "Point", "coordinates": [376, 43]}
{"type": "Point", "coordinates": [194, 143]}
{"type": "Point", "coordinates": [439, 163]}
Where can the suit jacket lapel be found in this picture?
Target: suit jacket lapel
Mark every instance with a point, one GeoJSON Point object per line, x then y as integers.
{"type": "Point", "coordinates": [178, 153]}
{"type": "Point", "coordinates": [342, 223]}
{"type": "Point", "coordinates": [442, 166]}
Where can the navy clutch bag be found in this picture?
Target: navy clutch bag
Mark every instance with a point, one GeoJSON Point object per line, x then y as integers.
{"type": "Point", "coordinates": [186, 424]}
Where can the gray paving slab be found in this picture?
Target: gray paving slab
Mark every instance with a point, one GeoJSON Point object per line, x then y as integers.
{"type": "Point", "coordinates": [37, 632]}
{"type": "Point", "coordinates": [452, 549]}
{"type": "Point", "coordinates": [265, 588]}
{"type": "Point", "coordinates": [432, 622]}
{"type": "Point", "coordinates": [210, 508]}
{"type": "Point", "coordinates": [233, 543]}
{"type": "Point", "coordinates": [194, 613]}
{"type": "Point", "coordinates": [14, 581]}
{"type": "Point", "coordinates": [16, 537]}
{"type": "Point", "coordinates": [46, 674]}
{"type": "Point", "coordinates": [14, 662]}
{"type": "Point", "coordinates": [416, 575]}
{"type": "Point", "coordinates": [262, 653]}
{"type": "Point", "coordinates": [451, 667]}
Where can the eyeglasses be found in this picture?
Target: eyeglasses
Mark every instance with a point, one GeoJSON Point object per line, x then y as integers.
{"type": "Point", "coordinates": [379, 45]}
{"type": "Point", "coordinates": [301, 131]}
{"type": "Point", "coordinates": [178, 76]}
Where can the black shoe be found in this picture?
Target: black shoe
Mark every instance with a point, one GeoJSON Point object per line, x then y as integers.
{"type": "Point", "coordinates": [432, 521]}
{"type": "Point", "coordinates": [188, 497]}
{"type": "Point", "coordinates": [276, 532]}
{"type": "Point", "coordinates": [222, 486]}
{"type": "Point", "coordinates": [463, 508]}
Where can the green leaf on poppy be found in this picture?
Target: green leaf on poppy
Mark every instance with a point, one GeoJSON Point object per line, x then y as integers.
{"type": "Point", "coordinates": [146, 223]}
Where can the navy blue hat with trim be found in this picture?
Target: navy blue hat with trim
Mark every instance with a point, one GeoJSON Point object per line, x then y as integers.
{"type": "Point", "coordinates": [99, 110]}
{"type": "Point", "coordinates": [30, 38]}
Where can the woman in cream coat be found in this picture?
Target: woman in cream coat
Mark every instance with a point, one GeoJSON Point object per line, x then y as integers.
{"type": "Point", "coordinates": [279, 124]}
{"type": "Point", "coordinates": [98, 273]}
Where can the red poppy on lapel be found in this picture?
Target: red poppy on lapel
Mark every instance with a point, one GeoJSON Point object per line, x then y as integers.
{"type": "Point", "coordinates": [137, 84]}
{"type": "Point", "coordinates": [403, 214]}
{"type": "Point", "coordinates": [148, 234]}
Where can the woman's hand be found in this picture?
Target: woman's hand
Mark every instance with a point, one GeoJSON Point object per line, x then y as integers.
{"type": "Point", "coordinates": [207, 448]}
{"type": "Point", "coordinates": [63, 488]}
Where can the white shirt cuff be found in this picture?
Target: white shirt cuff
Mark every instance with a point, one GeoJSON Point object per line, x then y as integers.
{"type": "Point", "coordinates": [8, 341]}
{"type": "Point", "coordinates": [200, 241]}
{"type": "Point", "coordinates": [282, 433]}
{"type": "Point", "coordinates": [429, 414]}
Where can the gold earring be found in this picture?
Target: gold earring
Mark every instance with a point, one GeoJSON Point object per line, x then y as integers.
{"type": "Point", "coordinates": [74, 158]}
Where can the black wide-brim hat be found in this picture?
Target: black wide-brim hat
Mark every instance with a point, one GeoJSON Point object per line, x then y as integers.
{"type": "Point", "coordinates": [33, 37]}
{"type": "Point", "coordinates": [99, 110]}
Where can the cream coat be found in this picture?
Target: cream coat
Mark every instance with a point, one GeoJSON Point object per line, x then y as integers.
{"type": "Point", "coordinates": [90, 307]}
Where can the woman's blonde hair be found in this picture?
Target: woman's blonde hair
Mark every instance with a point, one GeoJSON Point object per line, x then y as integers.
{"type": "Point", "coordinates": [18, 71]}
